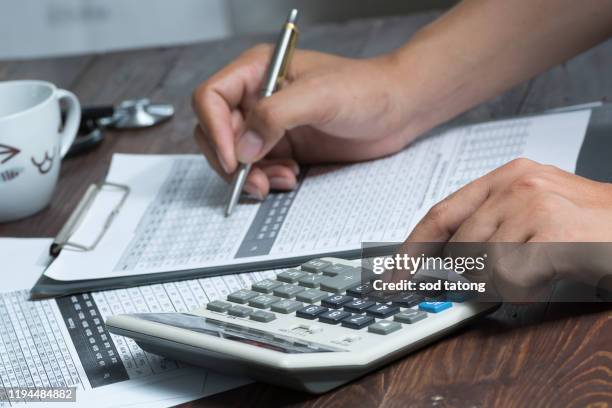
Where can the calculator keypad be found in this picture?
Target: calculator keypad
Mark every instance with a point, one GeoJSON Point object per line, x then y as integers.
{"type": "Point", "coordinates": [351, 304]}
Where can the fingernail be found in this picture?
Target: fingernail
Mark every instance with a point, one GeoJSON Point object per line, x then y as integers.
{"type": "Point", "coordinates": [253, 191]}
{"type": "Point", "coordinates": [280, 183]}
{"type": "Point", "coordinates": [224, 165]}
{"type": "Point", "coordinates": [249, 146]}
{"type": "Point", "coordinates": [296, 169]}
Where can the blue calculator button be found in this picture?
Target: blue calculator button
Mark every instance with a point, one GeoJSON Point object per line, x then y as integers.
{"type": "Point", "coordinates": [434, 307]}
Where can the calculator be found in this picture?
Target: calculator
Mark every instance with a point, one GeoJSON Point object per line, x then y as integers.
{"type": "Point", "coordinates": [313, 328]}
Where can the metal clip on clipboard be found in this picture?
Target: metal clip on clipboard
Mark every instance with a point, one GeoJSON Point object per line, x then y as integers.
{"type": "Point", "coordinates": [74, 221]}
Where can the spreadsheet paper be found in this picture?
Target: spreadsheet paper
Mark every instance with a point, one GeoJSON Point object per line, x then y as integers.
{"type": "Point", "coordinates": [173, 218]}
{"type": "Point", "coordinates": [63, 342]}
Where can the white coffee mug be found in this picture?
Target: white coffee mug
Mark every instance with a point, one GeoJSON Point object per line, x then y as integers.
{"type": "Point", "coordinates": [33, 142]}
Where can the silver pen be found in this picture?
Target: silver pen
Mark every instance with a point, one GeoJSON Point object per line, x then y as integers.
{"type": "Point", "coordinates": [277, 72]}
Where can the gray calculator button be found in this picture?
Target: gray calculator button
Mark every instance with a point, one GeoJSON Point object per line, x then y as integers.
{"type": "Point", "coordinates": [311, 295]}
{"type": "Point", "coordinates": [315, 266]}
{"type": "Point", "coordinates": [336, 269]}
{"type": "Point", "coordinates": [384, 327]}
{"type": "Point", "coordinates": [261, 316]}
{"type": "Point", "coordinates": [263, 301]}
{"type": "Point", "coordinates": [265, 286]}
{"type": "Point", "coordinates": [287, 306]}
{"type": "Point", "coordinates": [340, 283]}
{"type": "Point", "coordinates": [239, 311]}
{"type": "Point", "coordinates": [311, 281]}
{"type": "Point", "coordinates": [242, 296]}
{"type": "Point", "coordinates": [290, 276]}
{"type": "Point", "coordinates": [287, 291]}
{"type": "Point", "coordinates": [410, 316]}
{"type": "Point", "coordinates": [218, 306]}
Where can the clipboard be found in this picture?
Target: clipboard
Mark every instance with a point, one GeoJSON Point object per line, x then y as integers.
{"type": "Point", "coordinates": [593, 162]}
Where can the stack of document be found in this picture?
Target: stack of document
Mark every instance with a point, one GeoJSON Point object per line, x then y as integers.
{"type": "Point", "coordinates": [172, 226]}
{"type": "Point", "coordinates": [168, 236]}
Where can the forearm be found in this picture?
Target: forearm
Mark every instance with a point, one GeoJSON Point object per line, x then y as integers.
{"type": "Point", "coordinates": [482, 48]}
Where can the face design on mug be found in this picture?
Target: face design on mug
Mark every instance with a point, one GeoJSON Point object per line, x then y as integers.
{"type": "Point", "coordinates": [7, 153]}
{"type": "Point", "coordinates": [45, 164]}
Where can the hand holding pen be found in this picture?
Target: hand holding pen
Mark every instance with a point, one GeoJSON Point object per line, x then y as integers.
{"type": "Point", "coordinates": [328, 110]}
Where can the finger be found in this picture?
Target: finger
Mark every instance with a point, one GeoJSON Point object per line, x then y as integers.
{"type": "Point", "coordinates": [301, 103]}
{"type": "Point", "coordinates": [517, 230]}
{"type": "Point", "coordinates": [257, 184]}
{"type": "Point", "coordinates": [280, 177]}
{"type": "Point", "coordinates": [211, 156]}
{"type": "Point", "coordinates": [216, 100]}
{"type": "Point", "coordinates": [523, 273]}
{"type": "Point", "coordinates": [443, 220]}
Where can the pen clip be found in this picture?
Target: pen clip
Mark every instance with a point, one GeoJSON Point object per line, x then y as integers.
{"type": "Point", "coordinates": [294, 34]}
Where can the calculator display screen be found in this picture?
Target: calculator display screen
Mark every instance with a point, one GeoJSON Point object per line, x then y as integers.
{"type": "Point", "coordinates": [233, 332]}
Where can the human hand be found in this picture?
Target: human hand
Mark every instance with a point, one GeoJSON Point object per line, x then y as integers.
{"type": "Point", "coordinates": [331, 110]}
{"type": "Point", "coordinates": [566, 219]}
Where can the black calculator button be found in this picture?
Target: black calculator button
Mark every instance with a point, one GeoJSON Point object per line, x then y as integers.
{"type": "Point", "coordinates": [358, 305]}
{"type": "Point", "coordinates": [407, 300]}
{"type": "Point", "coordinates": [311, 312]}
{"type": "Point", "coordinates": [357, 321]}
{"type": "Point", "coordinates": [382, 297]}
{"type": "Point", "coordinates": [382, 311]}
{"type": "Point", "coordinates": [333, 316]}
{"type": "Point", "coordinates": [360, 291]}
{"type": "Point", "coordinates": [336, 301]}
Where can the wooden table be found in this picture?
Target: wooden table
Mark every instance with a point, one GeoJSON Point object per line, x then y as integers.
{"type": "Point", "coordinates": [539, 355]}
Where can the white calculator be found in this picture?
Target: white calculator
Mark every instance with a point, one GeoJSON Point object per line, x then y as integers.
{"type": "Point", "coordinates": [312, 328]}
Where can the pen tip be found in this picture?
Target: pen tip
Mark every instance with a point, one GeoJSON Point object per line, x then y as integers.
{"type": "Point", "coordinates": [293, 15]}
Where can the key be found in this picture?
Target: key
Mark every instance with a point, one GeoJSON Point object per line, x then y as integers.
{"type": "Point", "coordinates": [434, 307]}
{"type": "Point", "coordinates": [311, 312]}
{"type": "Point", "coordinates": [239, 311]}
{"type": "Point", "coordinates": [407, 300]}
{"type": "Point", "coordinates": [311, 280]}
{"type": "Point", "coordinates": [265, 286]}
{"type": "Point", "coordinates": [333, 316]}
{"type": "Point", "coordinates": [357, 321]}
{"type": "Point", "coordinates": [262, 316]}
{"type": "Point", "coordinates": [410, 316]}
{"type": "Point", "coordinates": [218, 306]}
{"type": "Point", "coordinates": [333, 270]}
{"type": "Point", "coordinates": [336, 301]}
{"type": "Point", "coordinates": [287, 306]}
{"type": "Point", "coordinates": [242, 296]}
{"type": "Point", "coordinates": [290, 276]}
{"type": "Point", "coordinates": [263, 301]}
{"type": "Point", "coordinates": [315, 265]}
{"type": "Point", "coordinates": [310, 295]}
{"type": "Point", "coordinates": [381, 297]}
{"type": "Point", "coordinates": [383, 311]}
{"type": "Point", "coordinates": [360, 291]}
{"type": "Point", "coordinates": [384, 327]}
{"type": "Point", "coordinates": [358, 305]}
{"type": "Point", "coordinates": [287, 291]}
{"type": "Point", "coordinates": [339, 283]}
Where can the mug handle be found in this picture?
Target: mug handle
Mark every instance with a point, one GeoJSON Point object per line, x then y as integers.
{"type": "Point", "coordinates": [73, 120]}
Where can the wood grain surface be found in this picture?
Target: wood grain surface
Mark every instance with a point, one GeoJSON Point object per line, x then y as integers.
{"type": "Point", "coordinates": [546, 355]}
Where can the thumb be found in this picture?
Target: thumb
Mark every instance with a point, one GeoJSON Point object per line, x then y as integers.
{"type": "Point", "coordinates": [301, 103]}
